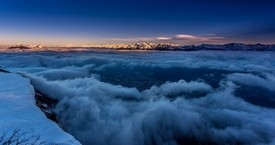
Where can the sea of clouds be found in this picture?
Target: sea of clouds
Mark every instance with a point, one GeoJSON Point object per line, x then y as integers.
{"type": "Point", "coordinates": [98, 107]}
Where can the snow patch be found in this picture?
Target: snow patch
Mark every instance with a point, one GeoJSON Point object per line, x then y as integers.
{"type": "Point", "coordinates": [18, 111]}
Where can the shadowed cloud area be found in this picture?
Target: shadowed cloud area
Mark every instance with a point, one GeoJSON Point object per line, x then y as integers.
{"type": "Point", "coordinates": [123, 98]}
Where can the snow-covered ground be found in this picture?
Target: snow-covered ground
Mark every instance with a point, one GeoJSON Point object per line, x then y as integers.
{"type": "Point", "coordinates": [18, 111]}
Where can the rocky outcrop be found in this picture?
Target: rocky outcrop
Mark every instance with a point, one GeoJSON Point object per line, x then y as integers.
{"type": "Point", "coordinates": [137, 46]}
{"type": "Point", "coordinates": [46, 105]}
{"type": "Point", "coordinates": [19, 46]}
{"type": "Point", "coordinates": [3, 71]}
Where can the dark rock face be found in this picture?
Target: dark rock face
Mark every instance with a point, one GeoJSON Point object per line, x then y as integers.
{"type": "Point", "coordinates": [3, 71]}
{"type": "Point", "coordinates": [46, 104]}
{"type": "Point", "coordinates": [19, 46]}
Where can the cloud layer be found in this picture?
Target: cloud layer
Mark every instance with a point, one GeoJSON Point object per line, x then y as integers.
{"type": "Point", "coordinates": [98, 107]}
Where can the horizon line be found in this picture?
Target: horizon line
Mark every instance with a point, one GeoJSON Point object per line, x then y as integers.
{"type": "Point", "coordinates": [116, 44]}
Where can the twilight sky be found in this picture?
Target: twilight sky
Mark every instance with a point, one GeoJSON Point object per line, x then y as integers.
{"type": "Point", "coordinates": [61, 22]}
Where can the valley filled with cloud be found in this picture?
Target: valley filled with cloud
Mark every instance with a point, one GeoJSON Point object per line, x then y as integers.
{"type": "Point", "coordinates": [121, 98]}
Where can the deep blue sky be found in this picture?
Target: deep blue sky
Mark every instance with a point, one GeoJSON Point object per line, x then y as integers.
{"type": "Point", "coordinates": [107, 21]}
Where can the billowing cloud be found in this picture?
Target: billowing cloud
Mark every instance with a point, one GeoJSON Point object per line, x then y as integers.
{"type": "Point", "coordinates": [190, 97]}
{"type": "Point", "coordinates": [267, 81]}
{"type": "Point", "coordinates": [100, 113]}
{"type": "Point", "coordinates": [180, 88]}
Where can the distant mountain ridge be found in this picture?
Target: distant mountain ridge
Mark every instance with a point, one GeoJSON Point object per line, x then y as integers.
{"type": "Point", "coordinates": [23, 47]}
{"type": "Point", "coordinates": [19, 46]}
{"type": "Point", "coordinates": [173, 47]}
{"type": "Point", "coordinates": [230, 46]}
{"type": "Point", "coordinates": [150, 46]}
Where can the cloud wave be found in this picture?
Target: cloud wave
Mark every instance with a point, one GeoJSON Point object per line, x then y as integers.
{"type": "Point", "coordinates": [172, 110]}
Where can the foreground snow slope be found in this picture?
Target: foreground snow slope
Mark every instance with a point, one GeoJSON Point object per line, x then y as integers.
{"type": "Point", "coordinates": [18, 111]}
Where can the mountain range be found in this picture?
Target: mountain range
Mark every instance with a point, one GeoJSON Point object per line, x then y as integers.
{"type": "Point", "coordinates": [151, 46]}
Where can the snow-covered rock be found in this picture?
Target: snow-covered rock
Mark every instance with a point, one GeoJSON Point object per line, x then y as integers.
{"type": "Point", "coordinates": [137, 46]}
{"type": "Point", "coordinates": [18, 111]}
{"type": "Point", "coordinates": [19, 46]}
{"type": "Point", "coordinates": [40, 46]}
